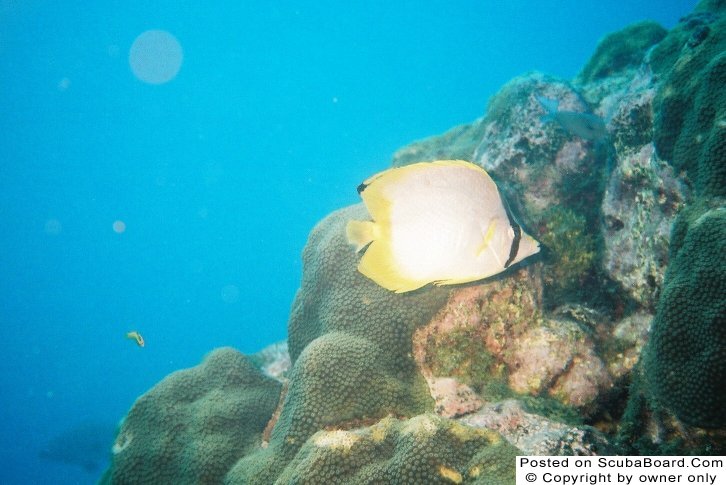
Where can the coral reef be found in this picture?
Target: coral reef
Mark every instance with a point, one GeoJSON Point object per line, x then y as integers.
{"type": "Point", "coordinates": [273, 361]}
{"type": "Point", "coordinates": [685, 360]}
{"type": "Point", "coordinates": [535, 434]}
{"type": "Point", "coordinates": [459, 143]}
{"type": "Point", "coordinates": [536, 164]}
{"type": "Point", "coordinates": [622, 348]}
{"type": "Point", "coordinates": [460, 351]}
{"type": "Point", "coordinates": [642, 199]}
{"type": "Point", "coordinates": [558, 359]}
{"type": "Point", "coordinates": [552, 179]}
{"type": "Point", "coordinates": [350, 343]}
{"type": "Point", "coordinates": [571, 244]}
{"type": "Point", "coordinates": [620, 50]}
{"type": "Point", "coordinates": [491, 341]}
{"type": "Point", "coordinates": [423, 449]}
{"type": "Point", "coordinates": [335, 297]}
{"type": "Point", "coordinates": [558, 356]}
{"type": "Point", "coordinates": [690, 127]}
{"type": "Point", "coordinates": [678, 388]}
{"type": "Point", "coordinates": [195, 424]}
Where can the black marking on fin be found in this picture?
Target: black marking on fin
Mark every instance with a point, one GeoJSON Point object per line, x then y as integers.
{"type": "Point", "coordinates": [364, 248]}
{"type": "Point", "coordinates": [361, 187]}
{"type": "Point", "coordinates": [514, 248]}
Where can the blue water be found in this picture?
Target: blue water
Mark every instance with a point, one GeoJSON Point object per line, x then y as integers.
{"type": "Point", "coordinates": [213, 179]}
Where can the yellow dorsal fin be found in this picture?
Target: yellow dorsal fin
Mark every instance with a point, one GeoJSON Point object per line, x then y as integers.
{"type": "Point", "coordinates": [361, 233]}
{"type": "Point", "coordinates": [487, 237]}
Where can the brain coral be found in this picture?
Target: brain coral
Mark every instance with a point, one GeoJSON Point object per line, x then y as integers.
{"type": "Point", "coordinates": [195, 424]}
{"type": "Point", "coordinates": [351, 345]}
{"type": "Point", "coordinates": [685, 359]}
{"type": "Point", "coordinates": [334, 296]}
{"type": "Point", "coordinates": [424, 449]}
{"type": "Point", "coordinates": [690, 106]}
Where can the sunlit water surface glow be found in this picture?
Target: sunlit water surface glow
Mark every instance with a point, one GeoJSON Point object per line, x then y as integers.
{"type": "Point", "coordinates": [155, 57]}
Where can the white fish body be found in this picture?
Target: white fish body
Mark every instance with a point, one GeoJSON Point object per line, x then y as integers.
{"type": "Point", "coordinates": [440, 222]}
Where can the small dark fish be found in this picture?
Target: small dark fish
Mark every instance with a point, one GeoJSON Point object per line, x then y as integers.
{"type": "Point", "coordinates": [87, 445]}
{"type": "Point", "coordinates": [584, 125]}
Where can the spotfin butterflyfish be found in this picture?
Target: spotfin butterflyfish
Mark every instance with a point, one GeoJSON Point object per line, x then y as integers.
{"type": "Point", "coordinates": [440, 222]}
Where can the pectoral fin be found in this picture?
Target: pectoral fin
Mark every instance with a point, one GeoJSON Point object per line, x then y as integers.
{"type": "Point", "coordinates": [488, 236]}
{"type": "Point", "coordinates": [361, 233]}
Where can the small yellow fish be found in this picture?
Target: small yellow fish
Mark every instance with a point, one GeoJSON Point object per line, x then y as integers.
{"type": "Point", "coordinates": [137, 337]}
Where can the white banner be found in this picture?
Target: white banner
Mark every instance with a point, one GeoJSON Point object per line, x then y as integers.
{"type": "Point", "coordinates": [628, 470]}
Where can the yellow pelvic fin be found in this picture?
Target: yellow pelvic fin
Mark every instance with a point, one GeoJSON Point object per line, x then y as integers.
{"type": "Point", "coordinates": [361, 233]}
{"type": "Point", "coordinates": [487, 237]}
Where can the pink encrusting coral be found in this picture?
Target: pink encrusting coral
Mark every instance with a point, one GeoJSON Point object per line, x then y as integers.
{"type": "Point", "coordinates": [495, 335]}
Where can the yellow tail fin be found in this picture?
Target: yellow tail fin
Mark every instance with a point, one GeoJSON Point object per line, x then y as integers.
{"type": "Point", "coordinates": [361, 233]}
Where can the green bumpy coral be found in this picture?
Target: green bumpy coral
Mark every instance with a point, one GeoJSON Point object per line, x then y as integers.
{"type": "Point", "coordinates": [424, 449]}
{"type": "Point", "coordinates": [621, 50]}
{"type": "Point", "coordinates": [335, 297]}
{"type": "Point", "coordinates": [194, 424]}
{"type": "Point", "coordinates": [351, 345]}
{"type": "Point", "coordinates": [678, 386]}
{"type": "Point", "coordinates": [690, 106]}
{"type": "Point", "coordinates": [685, 359]}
